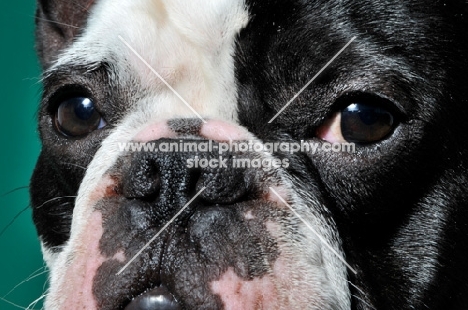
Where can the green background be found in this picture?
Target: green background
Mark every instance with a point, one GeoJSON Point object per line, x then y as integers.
{"type": "Point", "coordinates": [20, 89]}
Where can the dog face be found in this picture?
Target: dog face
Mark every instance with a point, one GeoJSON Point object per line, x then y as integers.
{"type": "Point", "coordinates": [382, 227]}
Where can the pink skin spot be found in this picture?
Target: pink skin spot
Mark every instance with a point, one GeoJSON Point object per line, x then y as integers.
{"type": "Point", "coordinates": [155, 132]}
{"type": "Point", "coordinates": [77, 288]}
{"type": "Point", "coordinates": [222, 131]}
{"type": "Point", "coordinates": [239, 294]}
{"type": "Point", "coordinates": [273, 195]}
{"type": "Point", "coordinates": [249, 215]}
{"type": "Point", "coordinates": [106, 188]}
{"type": "Point", "coordinates": [120, 257]}
{"type": "Point", "coordinates": [284, 287]}
{"type": "Point", "coordinates": [274, 229]}
{"type": "Point", "coordinates": [214, 130]}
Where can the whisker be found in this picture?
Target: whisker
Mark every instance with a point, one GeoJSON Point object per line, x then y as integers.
{"type": "Point", "coordinates": [46, 282]}
{"type": "Point", "coordinates": [60, 206]}
{"type": "Point", "coordinates": [63, 204]}
{"type": "Point", "coordinates": [54, 199]}
{"type": "Point", "coordinates": [360, 290]}
{"type": "Point", "coordinates": [56, 22]}
{"type": "Point", "coordinates": [29, 278]}
{"type": "Point", "coordinates": [13, 220]}
{"type": "Point", "coordinates": [87, 7]}
{"type": "Point", "coordinates": [356, 287]}
{"type": "Point", "coordinates": [71, 164]}
{"type": "Point", "coordinates": [14, 190]}
{"type": "Point", "coordinates": [363, 301]}
{"type": "Point", "coordinates": [34, 303]}
{"type": "Point", "coordinates": [13, 304]}
{"type": "Point", "coordinates": [363, 294]}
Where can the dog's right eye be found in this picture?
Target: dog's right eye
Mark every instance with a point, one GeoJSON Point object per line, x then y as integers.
{"type": "Point", "coordinates": [77, 116]}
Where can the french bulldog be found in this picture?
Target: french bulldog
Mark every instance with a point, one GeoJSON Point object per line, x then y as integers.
{"type": "Point", "coordinates": [191, 154]}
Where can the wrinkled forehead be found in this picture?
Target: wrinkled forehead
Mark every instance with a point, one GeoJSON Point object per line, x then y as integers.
{"type": "Point", "coordinates": [155, 27]}
{"type": "Point", "coordinates": [188, 45]}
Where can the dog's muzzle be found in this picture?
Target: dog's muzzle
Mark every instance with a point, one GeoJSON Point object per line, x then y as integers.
{"type": "Point", "coordinates": [221, 249]}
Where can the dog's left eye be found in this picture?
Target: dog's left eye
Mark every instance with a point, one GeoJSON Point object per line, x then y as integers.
{"type": "Point", "coordinates": [77, 117]}
{"type": "Point", "coordinates": [359, 123]}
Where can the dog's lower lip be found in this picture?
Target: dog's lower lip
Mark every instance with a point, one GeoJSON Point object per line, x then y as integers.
{"type": "Point", "coordinates": [156, 299]}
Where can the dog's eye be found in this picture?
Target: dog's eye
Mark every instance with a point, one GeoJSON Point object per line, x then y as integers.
{"type": "Point", "coordinates": [77, 116]}
{"type": "Point", "coordinates": [358, 123]}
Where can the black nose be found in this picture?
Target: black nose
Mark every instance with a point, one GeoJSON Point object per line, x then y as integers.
{"type": "Point", "coordinates": [156, 299]}
{"type": "Point", "coordinates": [169, 176]}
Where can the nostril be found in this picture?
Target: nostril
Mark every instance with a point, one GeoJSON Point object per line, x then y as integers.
{"type": "Point", "coordinates": [223, 186]}
{"type": "Point", "coordinates": [194, 180]}
{"type": "Point", "coordinates": [156, 299]}
{"type": "Point", "coordinates": [142, 179]}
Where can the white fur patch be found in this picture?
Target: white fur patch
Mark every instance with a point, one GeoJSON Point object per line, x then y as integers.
{"type": "Point", "coordinates": [189, 43]}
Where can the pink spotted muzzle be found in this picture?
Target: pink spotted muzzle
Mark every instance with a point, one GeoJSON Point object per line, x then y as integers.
{"type": "Point", "coordinates": [220, 250]}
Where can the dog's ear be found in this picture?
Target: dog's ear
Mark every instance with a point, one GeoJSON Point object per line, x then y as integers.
{"type": "Point", "coordinates": [58, 22]}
